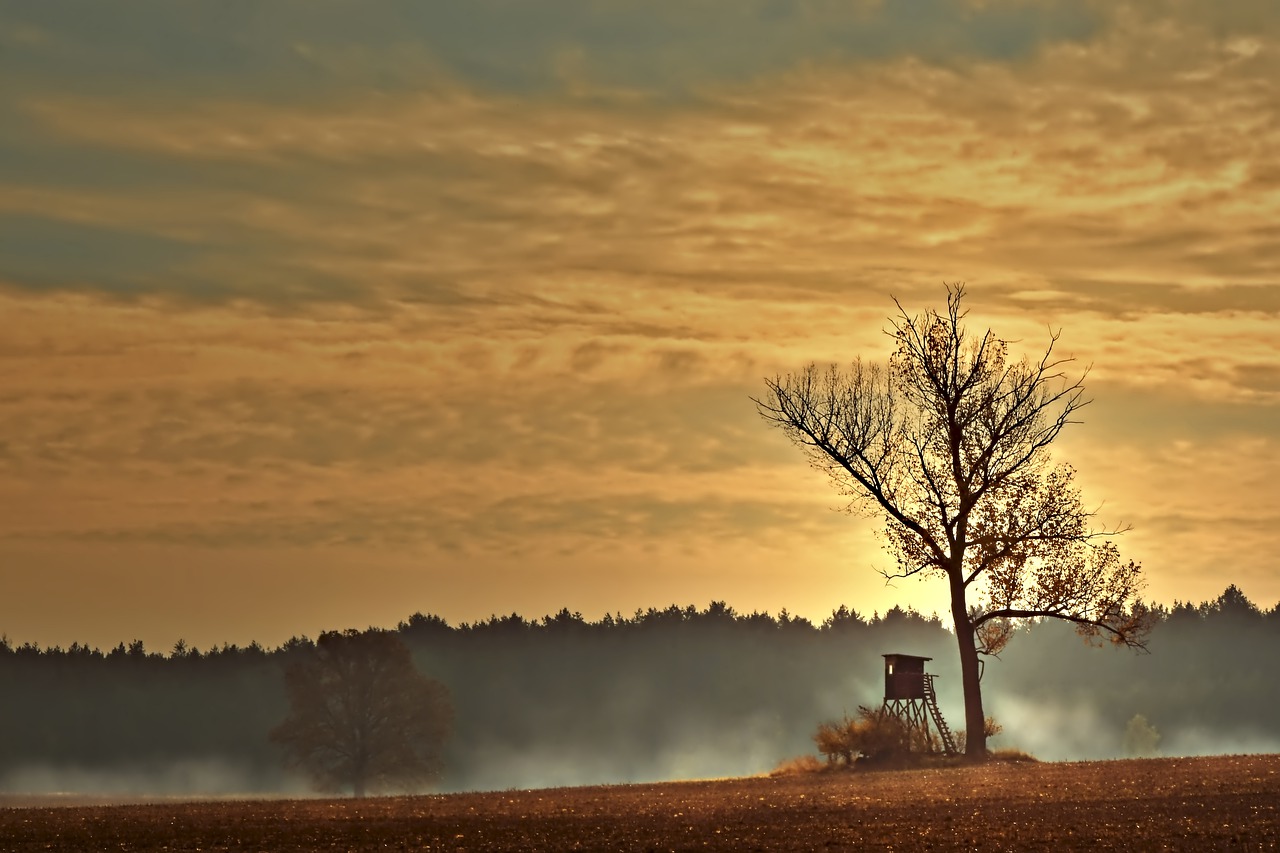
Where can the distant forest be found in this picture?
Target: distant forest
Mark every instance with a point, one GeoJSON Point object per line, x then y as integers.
{"type": "Point", "coordinates": [662, 694]}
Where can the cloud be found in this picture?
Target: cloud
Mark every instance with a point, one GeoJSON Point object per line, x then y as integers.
{"type": "Point", "coordinates": [467, 272]}
{"type": "Point", "coordinates": [1068, 171]}
{"type": "Point", "coordinates": [394, 44]}
{"type": "Point", "coordinates": [41, 253]}
{"type": "Point", "coordinates": [251, 466]}
{"type": "Point", "coordinates": [1138, 300]}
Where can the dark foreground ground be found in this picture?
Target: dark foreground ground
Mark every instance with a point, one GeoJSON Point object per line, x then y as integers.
{"type": "Point", "coordinates": [1224, 803]}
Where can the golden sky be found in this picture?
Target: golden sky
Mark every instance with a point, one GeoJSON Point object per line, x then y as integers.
{"type": "Point", "coordinates": [316, 315]}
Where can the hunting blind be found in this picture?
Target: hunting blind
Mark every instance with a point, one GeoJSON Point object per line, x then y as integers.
{"type": "Point", "coordinates": [909, 696]}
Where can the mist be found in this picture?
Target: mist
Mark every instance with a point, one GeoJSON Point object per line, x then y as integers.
{"type": "Point", "coordinates": [189, 777]}
{"type": "Point", "coordinates": [1207, 685]}
{"type": "Point", "coordinates": [670, 694]}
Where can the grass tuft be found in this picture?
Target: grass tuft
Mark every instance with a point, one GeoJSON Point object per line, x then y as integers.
{"type": "Point", "coordinates": [799, 765]}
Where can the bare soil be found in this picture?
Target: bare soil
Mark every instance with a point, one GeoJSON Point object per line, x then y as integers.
{"type": "Point", "coordinates": [1220, 803]}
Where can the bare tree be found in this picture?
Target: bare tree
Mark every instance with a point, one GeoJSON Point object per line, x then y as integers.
{"type": "Point", "coordinates": [361, 715]}
{"type": "Point", "coordinates": [951, 444]}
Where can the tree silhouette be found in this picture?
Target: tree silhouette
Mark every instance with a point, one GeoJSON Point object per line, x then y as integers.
{"type": "Point", "coordinates": [951, 444]}
{"type": "Point", "coordinates": [361, 716]}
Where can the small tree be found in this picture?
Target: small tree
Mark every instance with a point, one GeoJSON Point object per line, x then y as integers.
{"type": "Point", "coordinates": [1141, 739]}
{"type": "Point", "coordinates": [951, 444]}
{"type": "Point", "coordinates": [361, 716]}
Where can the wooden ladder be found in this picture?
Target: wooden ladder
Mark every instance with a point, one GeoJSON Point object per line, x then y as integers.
{"type": "Point", "coordinates": [931, 701]}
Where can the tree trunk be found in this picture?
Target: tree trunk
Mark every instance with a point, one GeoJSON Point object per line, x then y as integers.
{"type": "Point", "coordinates": [357, 777]}
{"type": "Point", "coordinates": [975, 721]}
{"type": "Point", "coordinates": [359, 766]}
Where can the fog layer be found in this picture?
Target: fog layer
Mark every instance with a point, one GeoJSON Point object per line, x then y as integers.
{"type": "Point", "coordinates": [672, 694]}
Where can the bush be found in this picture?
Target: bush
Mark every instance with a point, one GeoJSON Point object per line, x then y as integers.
{"type": "Point", "coordinates": [838, 741]}
{"type": "Point", "coordinates": [872, 735]}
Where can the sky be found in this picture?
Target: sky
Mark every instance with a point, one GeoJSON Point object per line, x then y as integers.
{"type": "Point", "coordinates": [319, 313]}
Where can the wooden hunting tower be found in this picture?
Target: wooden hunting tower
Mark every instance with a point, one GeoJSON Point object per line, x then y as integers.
{"type": "Point", "coordinates": [909, 696]}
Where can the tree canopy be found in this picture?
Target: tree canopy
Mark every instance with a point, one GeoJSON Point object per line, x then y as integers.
{"type": "Point", "coordinates": [950, 443]}
{"type": "Point", "coordinates": [361, 715]}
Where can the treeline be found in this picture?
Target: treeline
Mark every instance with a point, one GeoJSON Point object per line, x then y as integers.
{"type": "Point", "coordinates": [663, 693]}
{"type": "Point", "coordinates": [1210, 684]}
{"type": "Point", "coordinates": [717, 615]}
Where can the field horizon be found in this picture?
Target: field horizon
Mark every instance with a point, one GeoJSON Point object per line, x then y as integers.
{"type": "Point", "coordinates": [1122, 804]}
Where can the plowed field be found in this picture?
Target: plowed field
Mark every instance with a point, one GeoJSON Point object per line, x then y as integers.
{"type": "Point", "coordinates": [1160, 804]}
